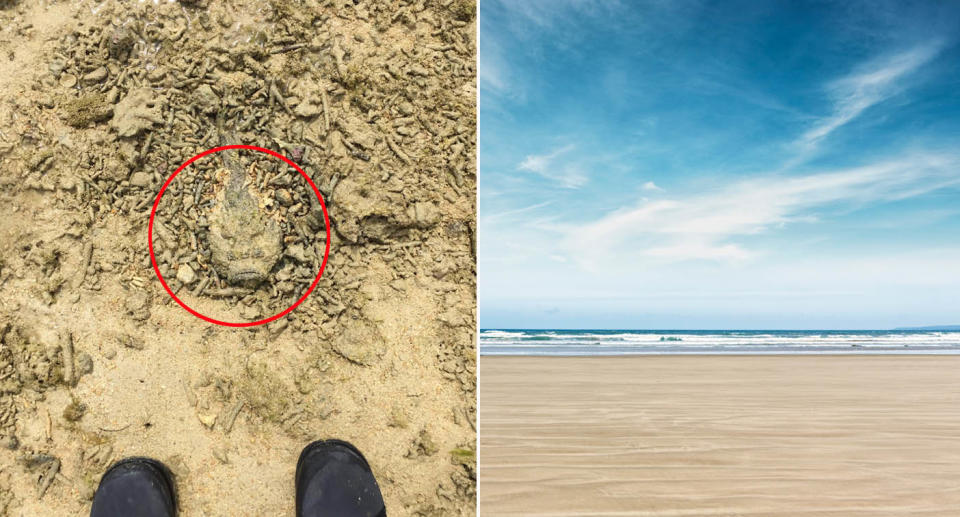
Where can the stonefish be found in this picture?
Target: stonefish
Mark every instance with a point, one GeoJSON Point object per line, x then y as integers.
{"type": "Point", "coordinates": [245, 243]}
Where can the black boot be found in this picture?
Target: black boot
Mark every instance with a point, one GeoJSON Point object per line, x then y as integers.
{"type": "Point", "coordinates": [334, 480]}
{"type": "Point", "coordinates": [135, 487]}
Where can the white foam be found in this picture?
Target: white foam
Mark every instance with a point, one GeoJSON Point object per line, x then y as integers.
{"type": "Point", "coordinates": [493, 341]}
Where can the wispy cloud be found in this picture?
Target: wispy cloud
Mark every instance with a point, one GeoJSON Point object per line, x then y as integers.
{"type": "Point", "coordinates": [547, 13]}
{"type": "Point", "coordinates": [874, 83]}
{"type": "Point", "coordinates": [510, 215]}
{"type": "Point", "coordinates": [490, 75]}
{"type": "Point", "coordinates": [566, 174]}
{"type": "Point", "coordinates": [506, 28]}
{"type": "Point", "coordinates": [492, 68]}
{"type": "Point", "coordinates": [705, 226]}
{"type": "Point", "coordinates": [651, 187]}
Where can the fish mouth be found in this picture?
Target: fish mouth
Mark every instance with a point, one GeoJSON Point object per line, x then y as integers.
{"type": "Point", "coordinates": [248, 275]}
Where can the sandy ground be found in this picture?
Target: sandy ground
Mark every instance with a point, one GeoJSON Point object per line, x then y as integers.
{"type": "Point", "coordinates": [99, 102]}
{"type": "Point", "coordinates": [708, 435]}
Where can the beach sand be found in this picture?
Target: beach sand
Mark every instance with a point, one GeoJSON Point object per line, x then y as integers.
{"type": "Point", "coordinates": [720, 435]}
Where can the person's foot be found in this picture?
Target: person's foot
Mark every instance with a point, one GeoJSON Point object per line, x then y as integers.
{"type": "Point", "coordinates": [334, 480]}
{"type": "Point", "coordinates": [135, 487]}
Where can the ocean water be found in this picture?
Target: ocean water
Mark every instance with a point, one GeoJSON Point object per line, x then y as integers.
{"type": "Point", "coordinates": [640, 342]}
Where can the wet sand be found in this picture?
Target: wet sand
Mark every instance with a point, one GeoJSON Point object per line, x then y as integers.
{"type": "Point", "coordinates": [720, 435]}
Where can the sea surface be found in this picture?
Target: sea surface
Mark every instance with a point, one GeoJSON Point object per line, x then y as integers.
{"type": "Point", "coordinates": [639, 342]}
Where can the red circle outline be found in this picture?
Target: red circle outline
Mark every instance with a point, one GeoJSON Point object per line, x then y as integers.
{"type": "Point", "coordinates": [156, 268]}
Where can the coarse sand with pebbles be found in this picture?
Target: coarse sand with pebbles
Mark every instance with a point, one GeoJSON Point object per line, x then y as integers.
{"type": "Point", "coordinates": [100, 101]}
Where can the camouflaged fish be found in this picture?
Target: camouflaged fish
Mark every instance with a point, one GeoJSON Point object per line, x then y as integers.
{"type": "Point", "coordinates": [245, 243]}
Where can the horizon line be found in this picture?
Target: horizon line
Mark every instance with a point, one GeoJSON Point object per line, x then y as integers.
{"type": "Point", "coordinates": [921, 327]}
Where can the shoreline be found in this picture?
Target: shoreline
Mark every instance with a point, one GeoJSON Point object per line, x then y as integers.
{"type": "Point", "coordinates": [741, 354]}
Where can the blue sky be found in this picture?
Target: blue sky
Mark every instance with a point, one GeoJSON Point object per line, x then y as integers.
{"type": "Point", "coordinates": [718, 165]}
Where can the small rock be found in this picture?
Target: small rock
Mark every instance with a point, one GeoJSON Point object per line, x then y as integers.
{"type": "Point", "coordinates": [186, 275]}
{"type": "Point", "coordinates": [283, 197]}
{"type": "Point", "coordinates": [114, 169]}
{"type": "Point", "coordinates": [109, 352]}
{"type": "Point", "coordinates": [74, 411]}
{"type": "Point", "coordinates": [96, 76]}
{"type": "Point", "coordinates": [56, 67]}
{"type": "Point", "coordinates": [306, 109]}
{"type": "Point", "coordinates": [156, 75]}
{"type": "Point", "coordinates": [68, 80]}
{"type": "Point", "coordinates": [206, 98]}
{"type": "Point", "coordinates": [141, 179]}
{"type": "Point", "coordinates": [406, 109]}
{"type": "Point", "coordinates": [296, 252]}
{"type": "Point", "coordinates": [226, 21]}
{"type": "Point", "coordinates": [207, 419]}
{"type": "Point", "coordinates": [423, 214]}
{"type": "Point", "coordinates": [277, 327]}
{"type": "Point", "coordinates": [221, 454]}
{"type": "Point", "coordinates": [85, 363]}
{"type": "Point", "coordinates": [67, 183]}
